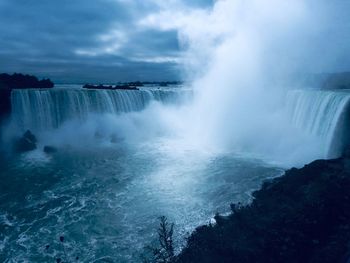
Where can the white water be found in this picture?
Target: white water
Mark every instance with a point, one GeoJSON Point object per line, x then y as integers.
{"type": "Point", "coordinates": [237, 62]}
{"type": "Point", "coordinates": [319, 113]}
{"type": "Point", "coordinates": [106, 200]}
{"type": "Point", "coordinates": [40, 110]}
{"type": "Point", "coordinates": [306, 126]}
{"type": "Point", "coordinates": [241, 55]}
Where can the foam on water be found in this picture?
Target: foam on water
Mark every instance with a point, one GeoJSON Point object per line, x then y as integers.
{"type": "Point", "coordinates": [106, 201]}
{"type": "Point", "coordinates": [48, 109]}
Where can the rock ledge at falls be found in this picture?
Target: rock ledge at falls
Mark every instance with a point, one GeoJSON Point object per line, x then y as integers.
{"type": "Point", "coordinates": [303, 216]}
{"type": "Point", "coordinates": [122, 87]}
{"type": "Point", "coordinates": [17, 81]}
{"type": "Point", "coordinates": [337, 81]}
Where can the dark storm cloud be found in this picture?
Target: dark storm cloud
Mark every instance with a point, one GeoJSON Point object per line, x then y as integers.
{"type": "Point", "coordinates": [86, 38]}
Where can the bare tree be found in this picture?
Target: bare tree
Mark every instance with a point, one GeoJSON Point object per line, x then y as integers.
{"type": "Point", "coordinates": [165, 252]}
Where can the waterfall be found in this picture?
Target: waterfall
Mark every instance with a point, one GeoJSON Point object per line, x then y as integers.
{"type": "Point", "coordinates": [321, 114]}
{"type": "Point", "coordinates": [48, 109]}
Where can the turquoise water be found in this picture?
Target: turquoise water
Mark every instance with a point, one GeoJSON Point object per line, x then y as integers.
{"type": "Point", "coordinates": [122, 162]}
{"type": "Point", "coordinates": [106, 200]}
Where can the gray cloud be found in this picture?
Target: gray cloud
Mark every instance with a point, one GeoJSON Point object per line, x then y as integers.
{"type": "Point", "coordinates": [104, 41]}
{"type": "Point", "coordinates": [77, 40]}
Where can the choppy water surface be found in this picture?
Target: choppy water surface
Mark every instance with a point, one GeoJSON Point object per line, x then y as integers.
{"type": "Point", "coordinates": [105, 201]}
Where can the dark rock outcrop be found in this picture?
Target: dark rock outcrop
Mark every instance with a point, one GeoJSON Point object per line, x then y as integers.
{"type": "Point", "coordinates": [17, 81]}
{"type": "Point", "coordinates": [26, 143]}
{"type": "Point", "coordinates": [121, 87]}
{"type": "Point", "coordinates": [20, 81]}
{"type": "Point", "coordinates": [5, 101]}
{"type": "Point", "coordinates": [303, 216]}
{"type": "Point", "coordinates": [49, 149]}
{"type": "Point", "coordinates": [337, 81]}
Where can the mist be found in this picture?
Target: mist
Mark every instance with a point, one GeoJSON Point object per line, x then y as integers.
{"type": "Point", "coordinates": [242, 58]}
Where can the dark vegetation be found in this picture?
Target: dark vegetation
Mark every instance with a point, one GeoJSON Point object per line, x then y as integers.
{"type": "Point", "coordinates": [5, 101]}
{"type": "Point", "coordinates": [164, 252]}
{"type": "Point", "coordinates": [303, 216]}
{"type": "Point", "coordinates": [20, 81]}
{"type": "Point", "coordinates": [17, 81]}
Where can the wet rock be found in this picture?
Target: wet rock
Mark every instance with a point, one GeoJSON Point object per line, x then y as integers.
{"type": "Point", "coordinates": [105, 87]}
{"type": "Point", "coordinates": [49, 149]}
{"type": "Point", "coordinates": [26, 143]}
{"type": "Point", "coordinates": [115, 138]}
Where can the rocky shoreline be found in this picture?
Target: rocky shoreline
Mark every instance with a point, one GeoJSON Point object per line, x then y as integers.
{"type": "Point", "coordinates": [105, 87]}
{"type": "Point", "coordinates": [302, 216]}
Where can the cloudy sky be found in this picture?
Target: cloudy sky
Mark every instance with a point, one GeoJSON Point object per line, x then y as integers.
{"type": "Point", "coordinates": [119, 40]}
{"type": "Point", "coordinates": [97, 40]}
